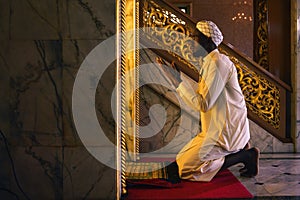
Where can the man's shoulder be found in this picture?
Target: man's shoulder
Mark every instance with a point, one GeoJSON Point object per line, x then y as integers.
{"type": "Point", "coordinates": [222, 59]}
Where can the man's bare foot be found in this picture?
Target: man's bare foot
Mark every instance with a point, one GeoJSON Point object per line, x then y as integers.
{"type": "Point", "coordinates": [252, 165]}
{"type": "Point", "coordinates": [247, 146]}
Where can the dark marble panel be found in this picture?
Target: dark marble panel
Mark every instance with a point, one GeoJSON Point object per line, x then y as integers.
{"type": "Point", "coordinates": [85, 177]}
{"type": "Point", "coordinates": [5, 172]}
{"type": "Point", "coordinates": [38, 69]}
{"type": "Point", "coordinates": [32, 83]}
{"type": "Point", "coordinates": [75, 19]}
{"type": "Point", "coordinates": [89, 19]}
{"type": "Point", "coordinates": [74, 52]}
{"type": "Point", "coordinates": [4, 19]}
{"type": "Point", "coordinates": [33, 172]}
{"type": "Point", "coordinates": [4, 89]}
{"type": "Point", "coordinates": [34, 19]}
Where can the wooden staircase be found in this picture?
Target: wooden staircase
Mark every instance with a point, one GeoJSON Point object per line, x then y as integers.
{"type": "Point", "coordinates": [266, 95]}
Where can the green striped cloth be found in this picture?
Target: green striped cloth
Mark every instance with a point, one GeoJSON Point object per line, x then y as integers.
{"type": "Point", "coordinates": [143, 170]}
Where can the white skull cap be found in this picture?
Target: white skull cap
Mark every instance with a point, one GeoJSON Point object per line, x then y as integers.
{"type": "Point", "coordinates": [210, 29]}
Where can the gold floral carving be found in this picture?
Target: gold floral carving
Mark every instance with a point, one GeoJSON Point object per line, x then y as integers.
{"type": "Point", "coordinates": [262, 34]}
{"type": "Point", "coordinates": [262, 97]}
{"type": "Point", "coordinates": [170, 31]}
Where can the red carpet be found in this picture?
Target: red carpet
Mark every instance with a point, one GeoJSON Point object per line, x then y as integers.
{"type": "Point", "coordinates": [224, 186]}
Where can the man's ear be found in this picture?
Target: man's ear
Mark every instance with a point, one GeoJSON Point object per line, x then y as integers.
{"type": "Point", "coordinates": [213, 45]}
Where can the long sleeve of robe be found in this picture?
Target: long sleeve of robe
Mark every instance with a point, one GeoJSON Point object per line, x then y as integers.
{"type": "Point", "coordinates": [224, 122]}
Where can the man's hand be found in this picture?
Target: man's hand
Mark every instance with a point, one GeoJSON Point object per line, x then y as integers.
{"type": "Point", "coordinates": [172, 72]}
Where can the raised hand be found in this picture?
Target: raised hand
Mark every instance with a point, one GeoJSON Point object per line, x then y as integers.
{"type": "Point", "coordinates": [172, 72]}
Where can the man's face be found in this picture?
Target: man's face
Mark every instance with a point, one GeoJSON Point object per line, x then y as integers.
{"type": "Point", "coordinates": [201, 42]}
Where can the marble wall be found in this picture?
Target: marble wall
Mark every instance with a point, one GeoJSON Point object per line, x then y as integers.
{"type": "Point", "coordinates": [43, 44]}
{"type": "Point", "coordinates": [266, 142]}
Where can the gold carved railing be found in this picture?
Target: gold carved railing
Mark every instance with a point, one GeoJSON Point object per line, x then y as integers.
{"type": "Point", "coordinates": [265, 94]}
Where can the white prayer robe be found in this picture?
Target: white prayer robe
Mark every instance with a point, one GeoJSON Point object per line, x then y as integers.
{"type": "Point", "coordinates": [224, 122]}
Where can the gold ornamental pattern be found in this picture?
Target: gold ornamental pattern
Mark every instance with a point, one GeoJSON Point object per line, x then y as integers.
{"type": "Point", "coordinates": [169, 31]}
{"type": "Point", "coordinates": [262, 97]}
{"type": "Point", "coordinates": [262, 34]}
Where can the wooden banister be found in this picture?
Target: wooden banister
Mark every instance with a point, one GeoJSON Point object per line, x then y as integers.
{"type": "Point", "coordinates": [266, 95]}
